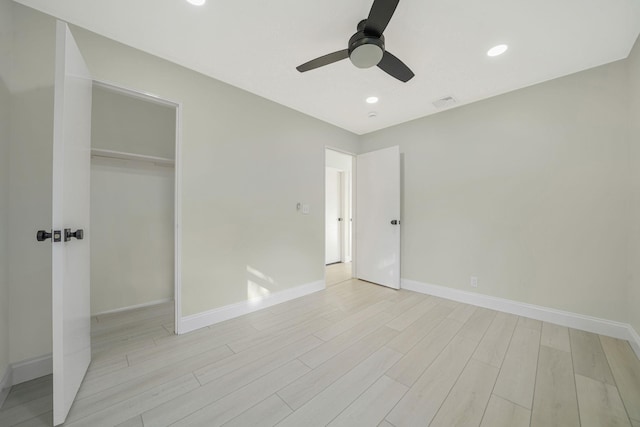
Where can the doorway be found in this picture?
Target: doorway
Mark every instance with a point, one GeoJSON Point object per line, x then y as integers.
{"type": "Point", "coordinates": [133, 201]}
{"type": "Point", "coordinates": [338, 216]}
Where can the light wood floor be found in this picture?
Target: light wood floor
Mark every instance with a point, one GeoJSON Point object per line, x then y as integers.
{"type": "Point", "coordinates": [354, 354]}
{"type": "Point", "coordinates": [337, 273]}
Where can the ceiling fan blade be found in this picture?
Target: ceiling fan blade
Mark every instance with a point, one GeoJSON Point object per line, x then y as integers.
{"type": "Point", "coordinates": [323, 60]}
{"type": "Point", "coordinates": [379, 16]}
{"type": "Point", "coordinates": [395, 68]}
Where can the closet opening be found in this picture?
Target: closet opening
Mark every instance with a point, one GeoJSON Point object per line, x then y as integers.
{"type": "Point", "coordinates": [134, 213]}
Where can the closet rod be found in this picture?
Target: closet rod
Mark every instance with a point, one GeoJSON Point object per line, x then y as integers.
{"type": "Point", "coordinates": [110, 154]}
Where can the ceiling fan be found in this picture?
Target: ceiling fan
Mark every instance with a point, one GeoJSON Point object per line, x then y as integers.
{"type": "Point", "coordinates": [366, 46]}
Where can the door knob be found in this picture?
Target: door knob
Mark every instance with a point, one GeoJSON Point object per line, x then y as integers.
{"type": "Point", "coordinates": [43, 235]}
{"type": "Point", "coordinates": [78, 234]}
{"type": "Point", "coordinates": [395, 222]}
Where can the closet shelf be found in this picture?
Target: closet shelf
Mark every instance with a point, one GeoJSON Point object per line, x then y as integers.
{"type": "Point", "coordinates": [110, 154]}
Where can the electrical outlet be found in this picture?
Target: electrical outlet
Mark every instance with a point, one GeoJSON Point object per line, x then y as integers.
{"type": "Point", "coordinates": [474, 282]}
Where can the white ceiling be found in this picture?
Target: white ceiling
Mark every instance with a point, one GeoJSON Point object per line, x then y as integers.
{"type": "Point", "coordinates": [256, 45]}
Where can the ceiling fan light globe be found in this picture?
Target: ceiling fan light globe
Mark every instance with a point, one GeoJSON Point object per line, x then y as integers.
{"type": "Point", "coordinates": [366, 55]}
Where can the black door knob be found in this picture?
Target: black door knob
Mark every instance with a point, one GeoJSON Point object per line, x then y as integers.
{"type": "Point", "coordinates": [395, 222]}
{"type": "Point", "coordinates": [42, 235]}
{"type": "Point", "coordinates": [78, 234]}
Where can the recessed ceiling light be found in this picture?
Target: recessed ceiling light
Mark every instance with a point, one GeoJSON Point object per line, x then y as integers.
{"type": "Point", "coordinates": [372, 100]}
{"type": "Point", "coordinates": [497, 50]}
{"type": "Point", "coordinates": [197, 2]}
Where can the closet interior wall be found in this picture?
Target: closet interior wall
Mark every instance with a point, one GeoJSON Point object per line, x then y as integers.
{"type": "Point", "coordinates": [132, 201]}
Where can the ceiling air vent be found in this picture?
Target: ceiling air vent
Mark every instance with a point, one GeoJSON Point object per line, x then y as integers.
{"type": "Point", "coordinates": [446, 102]}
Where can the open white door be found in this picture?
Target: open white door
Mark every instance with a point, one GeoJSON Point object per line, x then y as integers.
{"type": "Point", "coordinates": [333, 216]}
{"type": "Point", "coordinates": [71, 192]}
{"type": "Point", "coordinates": [378, 217]}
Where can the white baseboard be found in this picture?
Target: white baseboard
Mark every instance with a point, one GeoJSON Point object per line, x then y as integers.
{"type": "Point", "coordinates": [31, 369]}
{"type": "Point", "coordinates": [634, 340]}
{"type": "Point", "coordinates": [5, 385]}
{"type": "Point", "coordinates": [564, 318]}
{"type": "Point", "coordinates": [200, 320]}
{"type": "Point", "coordinates": [132, 307]}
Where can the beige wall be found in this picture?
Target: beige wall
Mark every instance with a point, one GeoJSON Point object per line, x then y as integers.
{"type": "Point", "coordinates": [634, 259]}
{"type": "Point", "coordinates": [124, 123]}
{"type": "Point", "coordinates": [30, 174]}
{"type": "Point", "coordinates": [528, 191]}
{"type": "Point", "coordinates": [5, 115]}
{"type": "Point", "coordinates": [132, 241]}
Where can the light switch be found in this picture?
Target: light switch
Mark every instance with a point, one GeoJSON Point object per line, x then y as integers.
{"type": "Point", "coordinates": [305, 209]}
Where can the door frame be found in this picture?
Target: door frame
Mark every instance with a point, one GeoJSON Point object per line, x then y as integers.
{"type": "Point", "coordinates": [353, 208]}
{"type": "Point", "coordinates": [177, 189]}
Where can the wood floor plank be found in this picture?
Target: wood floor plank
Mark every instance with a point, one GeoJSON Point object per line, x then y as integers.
{"type": "Point", "coordinates": [203, 339]}
{"type": "Point", "coordinates": [266, 414]}
{"type": "Point", "coordinates": [468, 398]}
{"type": "Point", "coordinates": [526, 322]}
{"type": "Point", "coordinates": [625, 367]}
{"type": "Point", "coordinates": [555, 403]}
{"type": "Point", "coordinates": [411, 335]}
{"type": "Point", "coordinates": [421, 403]}
{"type": "Point", "coordinates": [517, 376]}
{"type": "Point", "coordinates": [100, 367]}
{"type": "Point", "coordinates": [261, 339]}
{"type": "Point", "coordinates": [42, 420]}
{"type": "Point", "coordinates": [236, 403]}
{"type": "Point", "coordinates": [412, 314]}
{"type": "Point", "coordinates": [95, 400]}
{"type": "Point", "coordinates": [28, 391]}
{"type": "Point", "coordinates": [132, 422]}
{"type": "Point", "coordinates": [26, 411]}
{"type": "Point", "coordinates": [294, 346]}
{"type": "Point", "coordinates": [555, 336]}
{"type": "Point", "coordinates": [417, 360]}
{"type": "Point", "coordinates": [502, 413]}
{"type": "Point", "coordinates": [308, 386]}
{"type": "Point", "coordinates": [127, 409]}
{"type": "Point", "coordinates": [330, 348]}
{"type": "Point", "coordinates": [155, 368]}
{"type": "Point", "coordinates": [475, 328]}
{"type": "Point", "coordinates": [220, 386]}
{"type": "Point", "coordinates": [370, 408]}
{"type": "Point", "coordinates": [462, 312]}
{"type": "Point", "coordinates": [495, 342]}
{"type": "Point", "coordinates": [352, 320]}
{"type": "Point", "coordinates": [589, 359]}
{"type": "Point", "coordinates": [109, 351]}
{"type": "Point", "coordinates": [407, 303]}
{"type": "Point", "coordinates": [320, 410]}
{"type": "Point", "coordinates": [600, 404]}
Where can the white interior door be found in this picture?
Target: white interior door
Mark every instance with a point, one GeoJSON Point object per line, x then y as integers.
{"type": "Point", "coordinates": [333, 215]}
{"type": "Point", "coordinates": [71, 192]}
{"type": "Point", "coordinates": [378, 217]}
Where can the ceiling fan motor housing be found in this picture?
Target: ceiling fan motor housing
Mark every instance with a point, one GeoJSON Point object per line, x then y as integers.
{"type": "Point", "coordinates": [366, 51]}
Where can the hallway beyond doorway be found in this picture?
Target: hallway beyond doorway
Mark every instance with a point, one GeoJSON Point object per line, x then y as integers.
{"type": "Point", "coordinates": [338, 273]}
